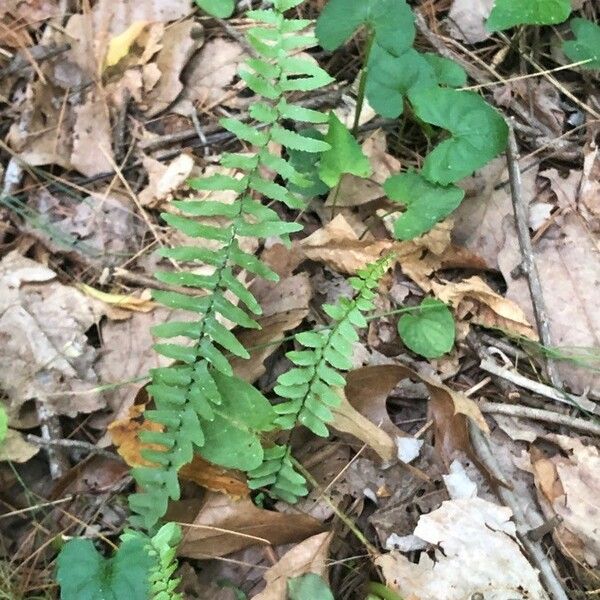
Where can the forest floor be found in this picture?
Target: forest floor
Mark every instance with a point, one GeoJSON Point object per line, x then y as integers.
{"type": "Point", "coordinates": [425, 455]}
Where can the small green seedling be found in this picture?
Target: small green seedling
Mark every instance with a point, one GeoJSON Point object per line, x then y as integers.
{"type": "Point", "coordinates": [221, 9]}
{"type": "Point", "coordinates": [586, 45]}
{"type": "Point", "coordinates": [430, 331]}
{"type": "Point", "coordinates": [509, 13]}
{"type": "Point", "coordinates": [309, 587]}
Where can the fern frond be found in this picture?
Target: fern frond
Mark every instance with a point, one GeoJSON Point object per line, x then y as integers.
{"type": "Point", "coordinates": [309, 388]}
{"type": "Point", "coordinates": [200, 404]}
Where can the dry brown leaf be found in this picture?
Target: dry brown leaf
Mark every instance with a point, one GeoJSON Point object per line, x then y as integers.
{"type": "Point", "coordinates": [467, 20]}
{"type": "Point", "coordinates": [15, 448]}
{"type": "Point", "coordinates": [567, 485]}
{"type": "Point", "coordinates": [210, 73]}
{"type": "Point", "coordinates": [180, 42]}
{"type": "Point", "coordinates": [164, 180]}
{"type": "Point", "coordinates": [218, 526]}
{"type": "Point", "coordinates": [475, 299]}
{"type": "Point", "coordinates": [45, 354]}
{"type": "Point", "coordinates": [368, 388]}
{"type": "Point", "coordinates": [348, 420]}
{"type": "Point", "coordinates": [124, 434]}
{"type": "Point", "coordinates": [338, 246]}
{"type": "Point", "coordinates": [477, 554]}
{"type": "Point", "coordinates": [215, 478]}
{"type": "Point", "coordinates": [567, 261]}
{"type": "Point", "coordinates": [589, 193]}
{"type": "Point", "coordinates": [310, 556]}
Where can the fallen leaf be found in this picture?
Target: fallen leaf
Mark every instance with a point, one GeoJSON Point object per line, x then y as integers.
{"type": "Point", "coordinates": [310, 556]}
{"type": "Point", "coordinates": [119, 45]}
{"type": "Point", "coordinates": [567, 485]}
{"type": "Point", "coordinates": [219, 526]}
{"type": "Point", "coordinates": [589, 193]}
{"type": "Point", "coordinates": [477, 553]}
{"type": "Point", "coordinates": [474, 299]}
{"type": "Point", "coordinates": [141, 303]}
{"type": "Point", "coordinates": [180, 42]}
{"type": "Point", "coordinates": [569, 269]}
{"type": "Point", "coordinates": [15, 448]}
{"type": "Point", "coordinates": [92, 137]}
{"type": "Point", "coordinates": [467, 20]}
{"type": "Point", "coordinates": [45, 354]}
{"type": "Point", "coordinates": [164, 180]}
{"type": "Point", "coordinates": [209, 74]}
{"type": "Point", "coordinates": [348, 420]}
{"type": "Point", "coordinates": [367, 390]}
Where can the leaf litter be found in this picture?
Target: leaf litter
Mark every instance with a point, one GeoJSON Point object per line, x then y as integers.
{"type": "Point", "coordinates": [110, 130]}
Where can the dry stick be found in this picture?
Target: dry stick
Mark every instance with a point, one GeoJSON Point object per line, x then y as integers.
{"type": "Point", "coordinates": [528, 264]}
{"type": "Point", "coordinates": [73, 445]}
{"type": "Point", "coordinates": [534, 549]}
{"type": "Point", "coordinates": [51, 428]}
{"type": "Point", "coordinates": [490, 366]}
{"type": "Point", "coordinates": [537, 414]}
{"type": "Point", "coordinates": [38, 53]}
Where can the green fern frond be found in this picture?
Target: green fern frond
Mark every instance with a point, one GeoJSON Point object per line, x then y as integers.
{"type": "Point", "coordinates": [309, 388]}
{"type": "Point", "coordinates": [162, 549]}
{"type": "Point", "coordinates": [200, 401]}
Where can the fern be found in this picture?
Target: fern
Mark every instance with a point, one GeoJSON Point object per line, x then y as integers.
{"type": "Point", "coordinates": [194, 399]}
{"type": "Point", "coordinates": [161, 549]}
{"type": "Point", "coordinates": [309, 388]}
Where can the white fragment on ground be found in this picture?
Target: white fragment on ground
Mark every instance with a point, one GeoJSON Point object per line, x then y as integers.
{"type": "Point", "coordinates": [458, 483]}
{"type": "Point", "coordinates": [409, 448]}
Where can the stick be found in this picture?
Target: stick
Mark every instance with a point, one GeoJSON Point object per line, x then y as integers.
{"type": "Point", "coordinates": [39, 53]}
{"type": "Point", "coordinates": [539, 388]}
{"type": "Point", "coordinates": [528, 265]}
{"type": "Point", "coordinates": [534, 549]}
{"type": "Point", "coordinates": [538, 414]}
{"type": "Point", "coordinates": [58, 460]}
{"type": "Point", "coordinates": [72, 445]}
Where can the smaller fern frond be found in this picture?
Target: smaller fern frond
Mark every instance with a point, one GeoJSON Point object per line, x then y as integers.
{"type": "Point", "coordinates": [162, 549]}
{"type": "Point", "coordinates": [309, 389]}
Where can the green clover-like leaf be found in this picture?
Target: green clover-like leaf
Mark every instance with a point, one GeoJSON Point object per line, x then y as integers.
{"type": "Point", "coordinates": [586, 45]}
{"type": "Point", "coordinates": [309, 587]}
{"type": "Point", "coordinates": [84, 574]}
{"type": "Point", "coordinates": [345, 155]}
{"type": "Point", "coordinates": [221, 9]}
{"type": "Point", "coordinates": [479, 133]}
{"type": "Point", "coordinates": [426, 203]}
{"type": "Point", "coordinates": [508, 13]}
{"type": "Point", "coordinates": [391, 21]}
{"type": "Point", "coordinates": [430, 330]}
{"type": "Point", "coordinates": [3, 424]}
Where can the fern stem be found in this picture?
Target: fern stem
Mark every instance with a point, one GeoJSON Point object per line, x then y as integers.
{"type": "Point", "coordinates": [362, 86]}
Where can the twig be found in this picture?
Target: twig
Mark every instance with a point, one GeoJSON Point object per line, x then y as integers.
{"type": "Point", "coordinates": [71, 445]}
{"type": "Point", "coordinates": [528, 264]}
{"type": "Point", "coordinates": [50, 426]}
{"type": "Point", "coordinates": [534, 549]}
{"type": "Point", "coordinates": [547, 391]}
{"type": "Point", "coordinates": [39, 53]}
{"type": "Point", "coordinates": [538, 414]}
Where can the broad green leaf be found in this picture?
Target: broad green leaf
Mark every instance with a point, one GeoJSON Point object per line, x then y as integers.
{"type": "Point", "coordinates": [3, 424]}
{"type": "Point", "coordinates": [390, 78]}
{"type": "Point", "coordinates": [221, 9]}
{"type": "Point", "coordinates": [479, 133]}
{"type": "Point", "coordinates": [508, 13]}
{"type": "Point", "coordinates": [231, 439]}
{"type": "Point", "coordinates": [309, 587]}
{"type": "Point", "coordinates": [447, 72]}
{"type": "Point", "coordinates": [426, 203]}
{"type": "Point", "coordinates": [430, 330]}
{"type": "Point", "coordinates": [586, 45]}
{"type": "Point", "coordinates": [391, 21]}
{"type": "Point", "coordinates": [344, 156]}
{"type": "Point", "coordinates": [84, 574]}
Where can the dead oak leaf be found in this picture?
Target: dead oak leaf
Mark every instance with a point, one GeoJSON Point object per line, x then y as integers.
{"type": "Point", "coordinates": [474, 299]}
